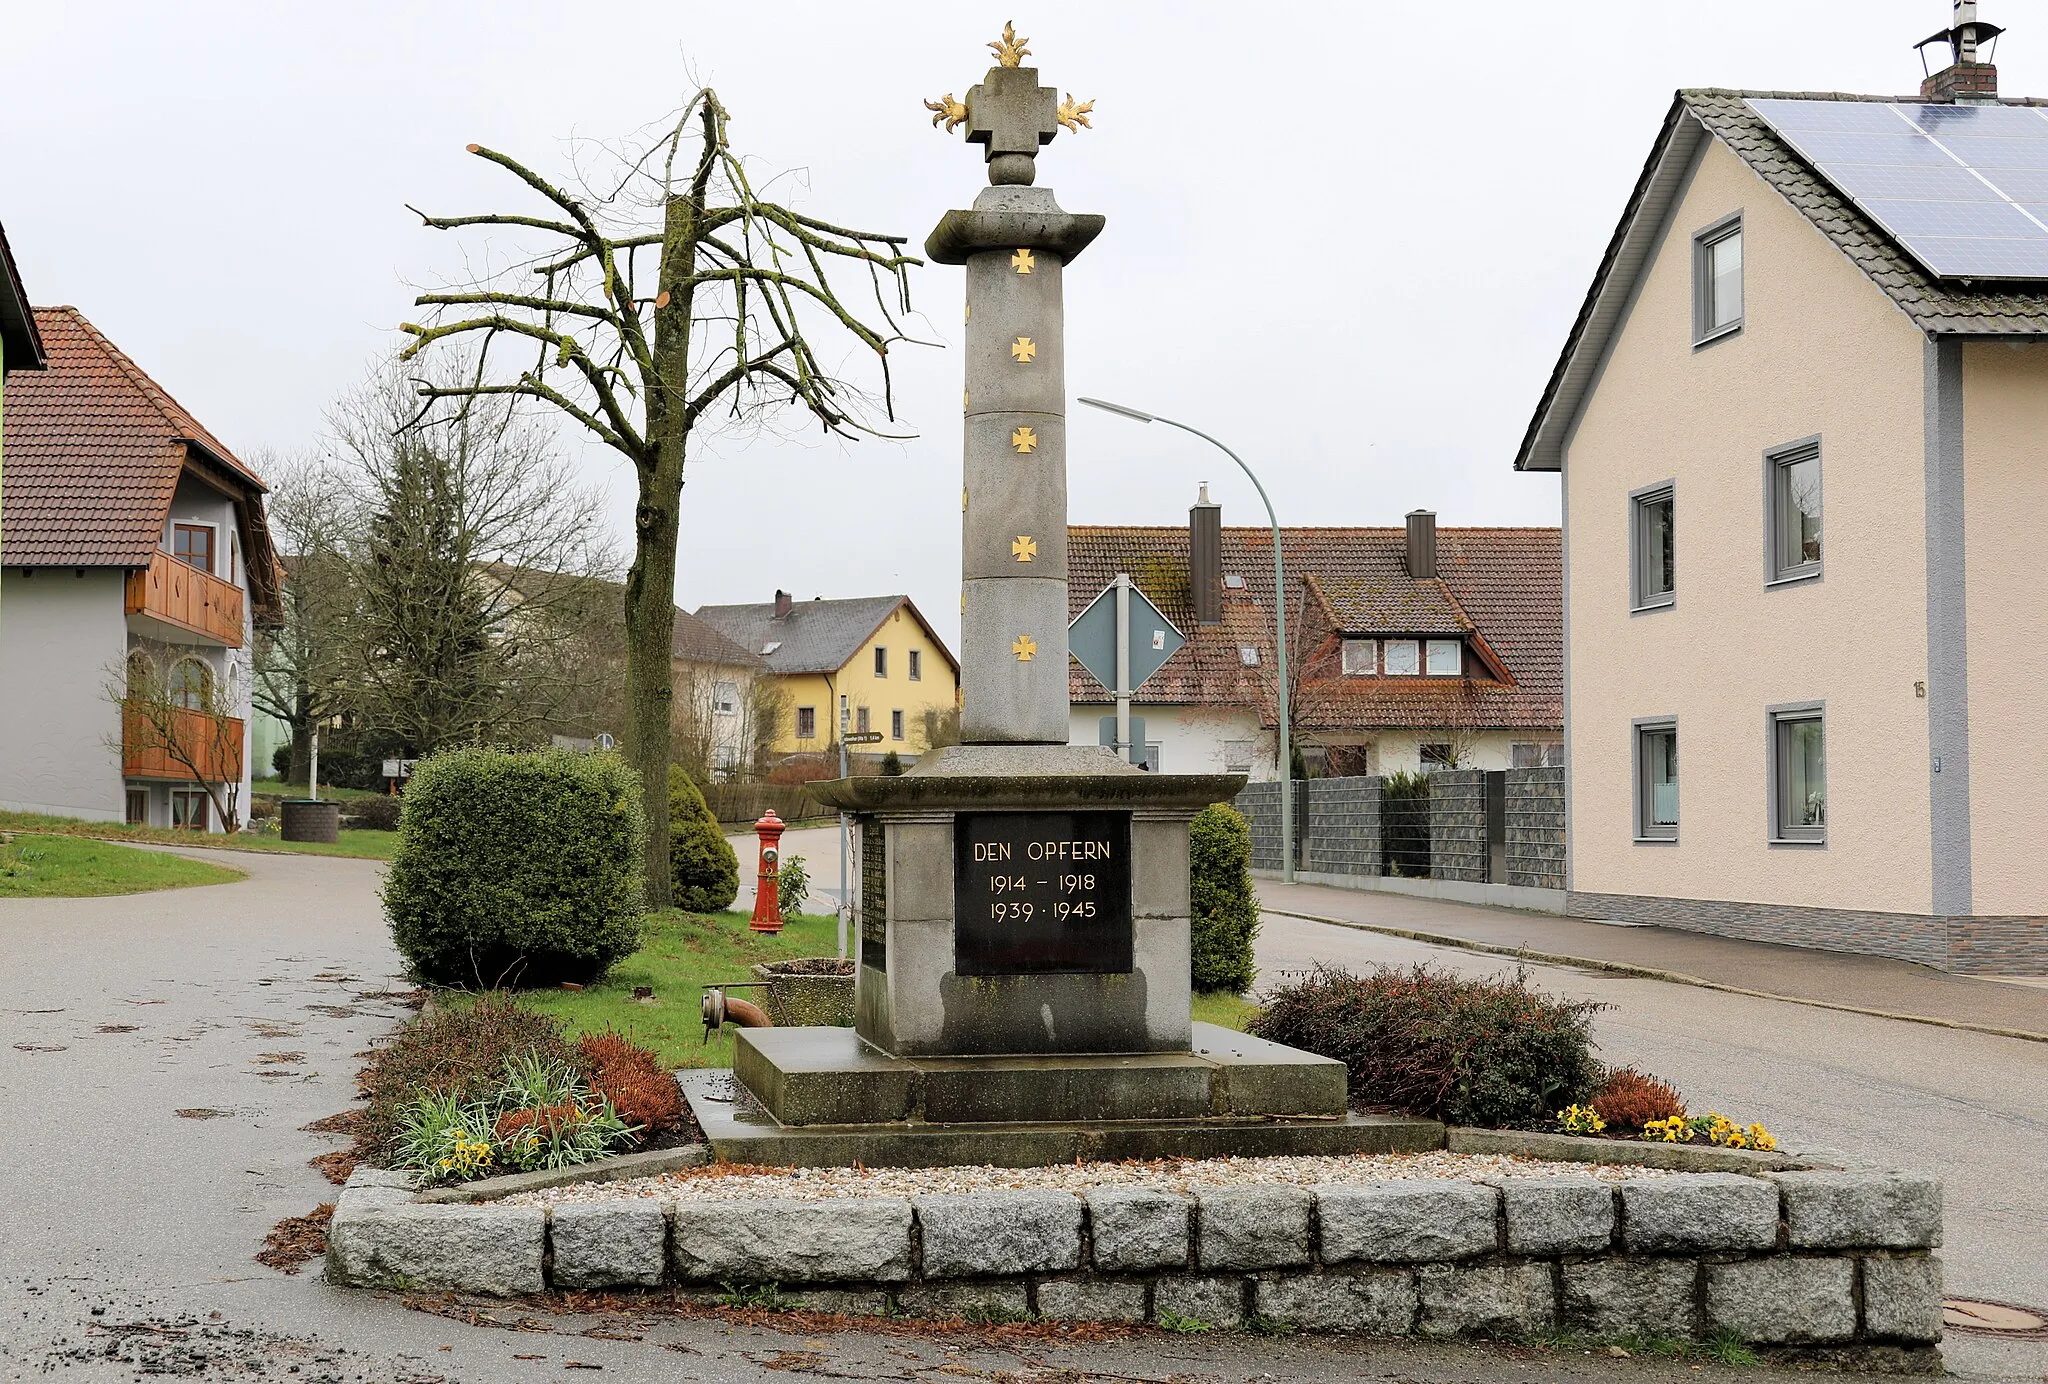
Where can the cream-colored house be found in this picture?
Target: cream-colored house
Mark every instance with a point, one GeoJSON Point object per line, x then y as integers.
{"type": "Point", "coordinates": [1831, 735]}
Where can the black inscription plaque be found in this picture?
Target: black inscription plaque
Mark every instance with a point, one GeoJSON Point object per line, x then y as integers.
{"type": "Point", "coordinates": [1038, 893]}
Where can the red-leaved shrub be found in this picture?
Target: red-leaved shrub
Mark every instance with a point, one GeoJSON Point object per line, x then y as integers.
{"type": "Point", "coordinates": [633, 1079]}
{"type": "Point", "coordinates": [552, 1119]}
{"type": "Point", "coordinates": [1630, 1099]}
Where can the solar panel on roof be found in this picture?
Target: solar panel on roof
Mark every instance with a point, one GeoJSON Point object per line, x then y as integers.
{"type": "Point", "coordinates": [1963, 188]}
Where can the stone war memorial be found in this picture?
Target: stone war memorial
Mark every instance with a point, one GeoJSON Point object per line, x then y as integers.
{"type": "Point", "coordinates": [1014, 1125]}
{"type": "Point", "coordinates": [1022, 988]}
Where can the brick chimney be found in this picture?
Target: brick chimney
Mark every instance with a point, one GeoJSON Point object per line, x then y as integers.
{"type": "Point", "coordinates": [1422, 544]}
{"type": "Point", "coordinates": [1205, 558]}
{"type": "Point", "coordinates": [783, 603]}
{"type": "Point", "coordinates": [1966, 78]}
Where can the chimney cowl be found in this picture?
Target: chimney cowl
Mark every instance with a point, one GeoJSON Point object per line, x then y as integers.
{"type": "Point", "coordinates": [784, 603]}
{"type": "Point", "coordinates": [1422, 544]}
{"type": "Point", "coordinates": [1968, 77]}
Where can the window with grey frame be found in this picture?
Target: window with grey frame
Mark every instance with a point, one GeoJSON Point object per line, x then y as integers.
{"type": "Point", "coordinates": [1799, 774]}
{"type": "Point", "coordinates": [1657, 780]}
{"type": "Point", "coordinates": [1717, 280]}
{"type": "Point", "coordinates": [1653, 548]}
{"type": "Point", "coordinates": [1792, 500]}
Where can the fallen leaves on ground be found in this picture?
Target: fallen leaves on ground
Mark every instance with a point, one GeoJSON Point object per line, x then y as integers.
{"type": "Point", "coordinates": [200, 1112]}
{"type": "Point", "coordinates": [297, 1240]}
{"type": "Point", "coordinates": [335, 1166]}
{"type": "Point", "coordinates": [340, 1122]}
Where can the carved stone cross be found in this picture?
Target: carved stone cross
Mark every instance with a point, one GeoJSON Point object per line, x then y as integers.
{"type": "Point", "coordinates": [1010, 114]}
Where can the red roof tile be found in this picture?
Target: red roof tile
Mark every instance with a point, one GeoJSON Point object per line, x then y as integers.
{"type": "Point", "coordinates": [1502, 587]}
{"type": "Point", "coordinates": [94, 448]}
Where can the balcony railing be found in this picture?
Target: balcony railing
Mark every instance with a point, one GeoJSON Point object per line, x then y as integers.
{"type": "Point", "coordinates": [188, 746]}
{"type": "Point", "coordinates": [180, 595]}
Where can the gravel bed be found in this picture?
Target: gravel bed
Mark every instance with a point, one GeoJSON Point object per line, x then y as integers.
{"type": "Point", "coordinates": [724, 1180]}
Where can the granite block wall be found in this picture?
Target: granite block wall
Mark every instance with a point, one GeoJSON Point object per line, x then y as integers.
{"type": "Point", "coordinates": [1536, 828]}
{"type": "Point", "coordinates": [1457, 825]}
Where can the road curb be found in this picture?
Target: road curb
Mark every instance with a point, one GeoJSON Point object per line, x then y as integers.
{"type": "Point", "coordinates": [1652, 973]}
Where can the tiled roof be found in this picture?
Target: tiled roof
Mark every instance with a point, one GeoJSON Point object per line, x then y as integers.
{"type": "Point", "coordinates": [696, 641]}
{"type": "Point", "coordinates": [94, 449]}
{"type": "Point", "coordinates": [1933, 305]}
{"type": "Point", "coordinates": [1502, 586]}
{"type": "Point", "coordinates": [817, 636]}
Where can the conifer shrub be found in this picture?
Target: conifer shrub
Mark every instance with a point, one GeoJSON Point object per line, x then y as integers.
{"type": "Point", "coordinates": [517, 869]}
{"type": "Point", "coordinates": [1225, 911]}
{"type": "Point", "coordinates": [703, 871]}
{"type": "Point", "coordinates": [1628, 1099]}
{"type": "Point", "coordinates": [1490, 1052]}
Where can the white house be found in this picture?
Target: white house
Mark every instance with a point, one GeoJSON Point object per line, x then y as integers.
{"type": "Point", "coordinates": [133, 553]}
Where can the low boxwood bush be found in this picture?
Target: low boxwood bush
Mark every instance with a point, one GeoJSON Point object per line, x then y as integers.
{"type": "Point", "coordinates": [1225, 910]}
{"type": "Point", "coordinates": [702, 867]}
{"type": "Point", "coordinates": [373, 814]}
{"type": "Point", "coordinates": [1490, 1052]}
{"type": "Point", "coordinates": [517, 869]}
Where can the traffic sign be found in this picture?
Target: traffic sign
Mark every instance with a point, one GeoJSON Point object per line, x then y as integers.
{"type": "Point", "coordinates": [1092, 638]}
{"type": "Point", "coordinates": [865, 737]}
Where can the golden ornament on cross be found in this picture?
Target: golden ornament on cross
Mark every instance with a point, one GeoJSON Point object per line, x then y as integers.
{"type": "Point", "coordinates": [1026, 648]}
{"type": "Point", "coordinates": [1023, 349]}
{"type": "Point", "coordinates": [1025, 548]}
{"type": "Point", "coordinates": [952, 112]}
{"type": "Point", "coordinates": [1024, 439]}
{"type": "Point", "coordinates": [1022, 262]}
{"type": "Point", "coordinates": [1010, 50]}
{"type": "Point", "coordinates": [1072, 114]}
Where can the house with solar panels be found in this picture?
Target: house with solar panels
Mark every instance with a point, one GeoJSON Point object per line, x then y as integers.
{"type": "Point", "coordinates": [1825, 733]}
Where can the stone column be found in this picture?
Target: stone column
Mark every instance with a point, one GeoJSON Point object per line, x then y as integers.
{"type": "Point", "coordinates": [1014, 529]}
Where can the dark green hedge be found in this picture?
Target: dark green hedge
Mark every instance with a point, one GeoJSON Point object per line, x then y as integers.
{"type": "Point", "coordinates": [517, 869]}
{"type": "Point", "coordinates": [1225, 910]}
{"type": "Point", "coordinates": [702, 867]}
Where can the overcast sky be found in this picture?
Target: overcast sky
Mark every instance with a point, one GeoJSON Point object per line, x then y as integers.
{"type": "Point", "coordinates": [1348, 239]}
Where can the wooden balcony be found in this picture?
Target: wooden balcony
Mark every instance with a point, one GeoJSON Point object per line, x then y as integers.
{"type": "Point", "coordinates": [213, 744]}
{"type": "Point", "coordinates": [181, 596]}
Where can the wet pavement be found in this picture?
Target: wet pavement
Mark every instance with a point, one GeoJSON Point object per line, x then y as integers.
{"type": "Point", "coordinates": [159, 1054]}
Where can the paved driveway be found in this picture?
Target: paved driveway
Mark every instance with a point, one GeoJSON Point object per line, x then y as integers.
{"type": "Point", "coordinates": [126, 1226]}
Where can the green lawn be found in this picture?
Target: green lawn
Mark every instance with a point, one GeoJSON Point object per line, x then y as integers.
{"type": "Point", "coordinates": [684, 952]}
{"type": "Point", "coordinates": [375, 845]}
{"type": "Point", "coordinates": [44, 867]}
{"type": "Point", "coordinates": [279, 789]}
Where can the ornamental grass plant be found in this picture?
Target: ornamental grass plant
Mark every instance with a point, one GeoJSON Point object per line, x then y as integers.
{"type": "Point", "coordinates": [1492, 1052]}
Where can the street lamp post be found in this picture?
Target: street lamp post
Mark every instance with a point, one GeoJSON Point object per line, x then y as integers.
{"type": "Point", "coordinates": [1279, 623]}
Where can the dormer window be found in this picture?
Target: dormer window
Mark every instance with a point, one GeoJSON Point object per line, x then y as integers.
{"type": "Point", "coordinates": [1446, 658]}
{"type": "Point", "coordinates": [1361, 658]}
{"type": "Point", "coordinates": [1404, 658]}
{"type": "Point", "coordinates": [192, 544]}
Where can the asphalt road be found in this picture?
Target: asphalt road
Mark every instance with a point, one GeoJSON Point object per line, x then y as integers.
{"type": "Point", "coordinates": [162, 1051]}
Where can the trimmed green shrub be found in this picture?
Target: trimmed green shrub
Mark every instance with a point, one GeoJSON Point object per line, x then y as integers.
{"type": "Point", "coordinates": [373, 814]}
{"type": "Point", "coordinates": [702, 867]}
{"type": "Point", "coordinates": [1225, 910]}
{"type": "Point", "coordinates": [1490, 1052]}
{"type": "Point", "coordinates": [517, 869]}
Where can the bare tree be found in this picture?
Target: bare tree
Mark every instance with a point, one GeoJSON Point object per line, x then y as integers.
{"type": "Point", "coordinates": [301, 664]}
{"type": "Point", "coordinates": [472, 562]}
{"type": "Point", "coordinates": [718, 327]}
{"type": "Point", "coordinates": [177, 714]}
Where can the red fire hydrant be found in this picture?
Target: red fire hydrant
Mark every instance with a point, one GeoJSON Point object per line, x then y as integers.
{"type": "Point", "coordinates": [767, 897]}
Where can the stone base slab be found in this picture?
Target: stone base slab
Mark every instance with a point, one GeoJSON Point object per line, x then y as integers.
{"type": "Point", "coordinates": [829, 1076]}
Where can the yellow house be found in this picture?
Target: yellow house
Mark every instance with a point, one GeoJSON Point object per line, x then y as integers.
{"type": "Point", "coordinates": [878, 652]}
{"type": "Point", "coordinates": [1861, 727]}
